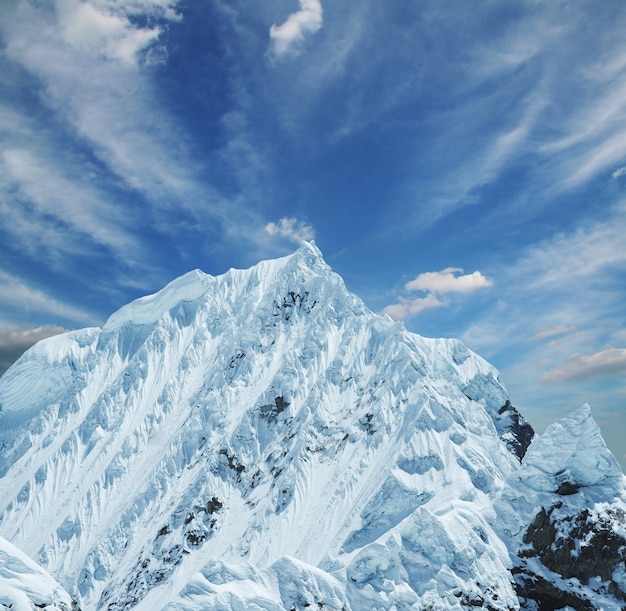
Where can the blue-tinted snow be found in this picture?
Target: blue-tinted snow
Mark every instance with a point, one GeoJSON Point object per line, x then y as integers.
{"type": "Point", "coordinates": [260, 439]}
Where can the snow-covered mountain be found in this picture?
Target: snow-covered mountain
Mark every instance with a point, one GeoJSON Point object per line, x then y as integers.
{"type": "Point", "coordinates": [261, 440]}
{"type": "Point", "coordinates": [25, 586]}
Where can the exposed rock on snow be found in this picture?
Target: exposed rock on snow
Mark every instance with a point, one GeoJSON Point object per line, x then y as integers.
{"type": "Point", "coordinates": [261, 440]}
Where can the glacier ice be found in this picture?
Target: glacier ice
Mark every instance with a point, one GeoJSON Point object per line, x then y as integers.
{"type": "Point", "coordinates": [25, 586]}
{"type": "Point", "coordinates": [261, 440]}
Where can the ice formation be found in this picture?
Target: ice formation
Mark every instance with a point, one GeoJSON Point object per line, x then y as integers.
{"type": "Point", "coordinates": [261, 440]}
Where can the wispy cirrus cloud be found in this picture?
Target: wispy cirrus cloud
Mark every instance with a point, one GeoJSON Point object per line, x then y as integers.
{"type": "Point", "coordinates": [287, 37]}
{"type": "Point", "coordinates": [567, 289]}
{"type": "Point", "coordinates": [93, 65]}
{"type": "Point", "coordinates": [591, 139]}
{"type": "Point", "coordinates": [71, 203]}
{"type": "Point", "coordinates": [559, 305]}
{"type": "Point", "coordinates": [18, 295]}
{"type": "Point", "coordinates": [582, 367]}
{"type": "Point", "coordinates": [564, 124]}
{"type": "Point", "coordinates": [569, 281]}
{"type": "Point", "coordinates": [552, 331]}
{"type": "Point", "coordinates": [437, 286]}
{"type": "Point", "coordinates": [102, 29]}
{"type": "Point", "coordinates": [88, 58]}
{"type": "Point", "coordinates": [95, 163]}
{"type": "Point", "coordinates": [589, 254]}
{"type": "Point", "coordinates": [464, 179]}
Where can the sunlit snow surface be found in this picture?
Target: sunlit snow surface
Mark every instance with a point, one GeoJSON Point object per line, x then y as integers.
{"type": "Point", "coordinates": [261, 440]}
{"type": "Point", "coordinates": [25, 586]}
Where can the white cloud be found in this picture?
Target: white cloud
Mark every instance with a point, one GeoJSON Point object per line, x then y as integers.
{"type": "Point", "coordinates": [571, 284]}
{"type": "Point", "coordinates": [596, 116]}
{"type": "Point", "coordinates": [86, 57]}
{"type": "Point", "coordinates": [100, 164]}
{"type": "Point", "coordinates": [552, 331]}
{"type": "Point", "coordinates": [70, 202]}
{"type": "Point", "coordinates": [286, 37]}
{"type": "Point", "coordinates": [461, 172]}
{"type": "Point", "coordinates": [18, 295]}
{"type": "Point", "coordinates": [563, 104]}
{"type": "Point", "coordinates": [592, 137]}
{"type": "Point", "coordinates": [292, 229]}
{"type": "Point", "coordinates": [446, 281]}
{"type": "Point", "coordinates": [598, 158]}
{"type": "Point", "coordinates": [409, 307]}
{"type": "Point", "coordinates": [619, 172]}
{"type": "Point", "coordinates": [98, 30]}
{"type": "Point", "coordinates": [584, 255]}
{"type": "Point", "coordinates": [570, 281]}
{"type": "Point", "coordinates": [582, 367]}
{"type": "Point", "coordinates": [437, 285]}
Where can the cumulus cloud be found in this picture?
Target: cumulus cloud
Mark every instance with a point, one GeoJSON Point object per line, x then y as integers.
{"type": "Point", "coordinates": [582, 367]}
{"type": "Point", "coordinates": [446, 281]}
{"type": "Point", "coordinates": [292, 229]}
{"type": "Point", "coordinates": [286, 37]}
{"type": "Point", "coordinates": [15, 341]}
{"type": "Point", "coordinates": [407, 307]}
{"type": "Point", "coordinates": [437, 285]}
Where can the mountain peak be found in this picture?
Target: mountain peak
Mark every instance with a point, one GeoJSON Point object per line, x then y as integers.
{"type": "Point", "coordinates": [261, 439]}
{"type": "Point", "coordinates": [306, 257]}
{"type": "Point", "coordinates": [571, 452]}
{"type": "Point", "coordinates": [195, 284]}
{"type": "Point", "coordinates": [309, 247]}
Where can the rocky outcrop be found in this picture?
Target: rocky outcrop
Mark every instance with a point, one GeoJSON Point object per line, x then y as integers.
{"type": "Point", "coordinates": [586, 546]}
{"type": "Point", "coordinates": [570, 512]}
{"type": "Point", "coordinates": [518, 434]}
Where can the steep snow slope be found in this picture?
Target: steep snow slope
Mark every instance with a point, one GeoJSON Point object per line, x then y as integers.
{"type": "Point", "coordinates": [25, 586]}
{"type": "Point", "coordinates": [260, 439]}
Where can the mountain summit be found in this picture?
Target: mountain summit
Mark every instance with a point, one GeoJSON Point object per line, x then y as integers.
{"type": "Point", "coordinates": [261, 440]}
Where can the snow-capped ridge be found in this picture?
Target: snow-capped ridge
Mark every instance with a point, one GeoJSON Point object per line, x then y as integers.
{"type": "Point", "coordinates": [44, 372]}
{"type": "Point", "coordinates": [570, 453]}
{"type": "Point", "coordinates": [195, 284]}
{"type": "Point", "coordinates": [147, 310]}
{"type": "Point", "coordinates": [262, 440]}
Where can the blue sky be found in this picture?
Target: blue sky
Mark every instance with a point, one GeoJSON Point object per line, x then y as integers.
{"type": "Point", "coordinates": [461, 165]}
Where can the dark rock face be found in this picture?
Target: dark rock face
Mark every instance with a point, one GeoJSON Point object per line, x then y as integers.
{"type": "Point", "coordinates": [545, 596]}
{"type": "Point", "coordinates": [566, 488]}
{"type": "Point", "coordinates": [520, 433]}
{"type": "Point", "coordinates": [585, 546]}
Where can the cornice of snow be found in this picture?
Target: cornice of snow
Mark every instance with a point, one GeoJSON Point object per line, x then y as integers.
{"type": "Point", "coordinates": [262, 439]}
{"type": "Point", "coordinates": [196, 284]}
